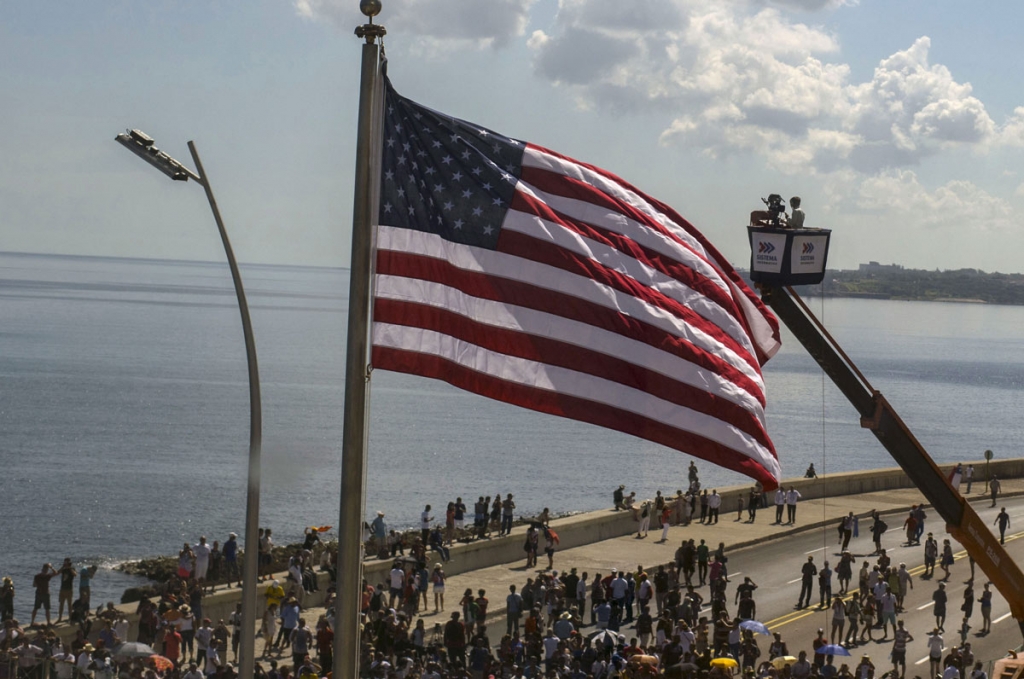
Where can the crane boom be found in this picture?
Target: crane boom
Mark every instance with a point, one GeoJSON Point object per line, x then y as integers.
{"type": "Point", "coordinates": [878, 415]}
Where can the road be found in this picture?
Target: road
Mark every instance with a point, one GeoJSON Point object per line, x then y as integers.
{"type": "Point", "coordinates": [775, 567]}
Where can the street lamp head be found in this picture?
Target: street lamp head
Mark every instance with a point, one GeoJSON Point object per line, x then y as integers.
{"type": "Point", "coordinates": [142, 145]}
{"type": "Point", "coordinates": [370, 8]}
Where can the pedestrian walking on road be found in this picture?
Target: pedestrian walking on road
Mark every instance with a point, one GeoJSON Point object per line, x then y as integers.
{"type": "Point", "coordinates": [807, 573]}
{"type": "Point", "coordinates": [947, 557]}
{"type": "Point", "coordinates": [931, 553]}
{"type": "Point", "coordinates": [780, 503]}
{"type": "Point", "coordinates": [877, 528]}
{"type": "Point", "coordinates": [899, 650]}
{"type": "Point", "coordinates": [847, 530]}
{"type": "Point", "coordinates": [986, 609]}
{"type": "Point", "coordinates": [969, 477]}
{"type": "Point", "coordinates": [825, 586]}
{"type": "Point", "coordinates": [838, 621]}
{"type": "Point", "coordinates": [753, 500]}
{"type": "Point", "coordinates": [993, 488]}
{"type": "Point", "coordinates": [1003, 521]}
{"type": "Point", "coordinates": [940, 599]}
{"type": "Point", "coordinates": [935, 646]}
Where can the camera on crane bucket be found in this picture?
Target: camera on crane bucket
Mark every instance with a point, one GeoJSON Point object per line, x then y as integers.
{"type": "Point", "coordinates": [776, 208]}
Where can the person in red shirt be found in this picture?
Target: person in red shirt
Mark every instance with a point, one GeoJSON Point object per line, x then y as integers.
{"type": "Point", "coordinates": [172, 644]}
{"type": "Point", "coordinates": [325, 642]}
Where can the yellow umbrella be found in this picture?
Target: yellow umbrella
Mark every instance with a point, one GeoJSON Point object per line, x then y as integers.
{"type": "Point", "coordinates": [782, 661]}
{"type": "Point", "coordinates": [724, 662]}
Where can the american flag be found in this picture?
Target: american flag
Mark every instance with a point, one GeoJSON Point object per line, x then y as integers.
{"type": "Point", "coordinates": [514, 272]}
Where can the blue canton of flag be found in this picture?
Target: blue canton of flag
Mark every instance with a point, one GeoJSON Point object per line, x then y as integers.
{"type": "Point", "coordinates": [445, 176]}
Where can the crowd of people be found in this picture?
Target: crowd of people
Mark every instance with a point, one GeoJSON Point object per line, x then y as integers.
{"type": "Point", "coordinates": [679, 619]}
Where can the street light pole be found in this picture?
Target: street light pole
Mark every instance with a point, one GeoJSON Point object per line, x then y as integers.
{"type": "Point", "coordinates": [142, 145]}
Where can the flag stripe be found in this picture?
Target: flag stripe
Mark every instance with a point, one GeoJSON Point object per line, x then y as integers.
{"type": "Point", "coordinates": [501, 374]}
{"type": "Point", "coordinates": [649, 353]}
{"type": "Point", "coordinates": [568, 356]}
{"type": "Point", "coordinates": [656, 284]}
{"type": "Point", "coordinates": [540, 287]}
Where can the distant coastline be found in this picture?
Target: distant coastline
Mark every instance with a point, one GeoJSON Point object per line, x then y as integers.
{"type": "Point", "coordinates": [894, 282]}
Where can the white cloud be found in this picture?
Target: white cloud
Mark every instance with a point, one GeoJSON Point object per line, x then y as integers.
{"type": "Point", "coordinates": [439, 24]}
{"type": "Point", "coordinates": [741, 78]}
{"type": "Point", "coordinates": [956, 204]}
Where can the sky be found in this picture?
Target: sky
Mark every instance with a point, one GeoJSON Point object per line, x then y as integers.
{"type": "Point", "coordinates": [899, 123]}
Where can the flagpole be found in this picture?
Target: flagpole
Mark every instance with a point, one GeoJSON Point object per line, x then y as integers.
{"type": "Point", "coordinates": [357, 377]}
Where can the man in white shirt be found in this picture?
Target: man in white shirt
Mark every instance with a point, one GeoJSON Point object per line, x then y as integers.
{"type": "Point", "coordinates": [397, 584]}
{"type": "Point", "coordinates": [202, 552]}
{"type": "Point", "coordinates": [28, 655]}
{"type": "Point", "coordinates": [84, 660]}
{"type": "Point", "coordinates": [792, 495]}
{"type": "Point", "coordinates": [714, 504]}
{"type": "Point", "coordinates": [203, 636]}
{"type": "Point", "coordinates": [193, 672]}
{"type": "Point", "coordinates": [121, 626]}
{"type": "Point", "coordinates": [780, 503]}
{"type": "Point", "coordinates": [65, 663]}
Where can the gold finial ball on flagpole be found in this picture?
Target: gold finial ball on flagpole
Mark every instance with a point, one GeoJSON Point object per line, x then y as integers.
{"type": "Point", "coordinates": [370, 8]}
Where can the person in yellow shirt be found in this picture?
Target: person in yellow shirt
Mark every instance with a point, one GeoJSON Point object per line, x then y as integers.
{"type": "Point", "coordinates": [274, 594]}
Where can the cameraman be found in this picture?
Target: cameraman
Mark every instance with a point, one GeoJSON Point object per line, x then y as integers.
{"type": "Point", "coordinates": [796, 220]}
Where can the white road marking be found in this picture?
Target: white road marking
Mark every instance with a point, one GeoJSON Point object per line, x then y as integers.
{"type": "Point", "coordinates": [930, 603]}
{"type": "Point", "coordinates": [792, 581]}
{"type": "Point", "coordinates": [1001, 618]}
{"type": "Point", "coordinates": [814, 550]}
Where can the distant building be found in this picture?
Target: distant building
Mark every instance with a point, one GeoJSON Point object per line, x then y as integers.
{"type": "Point", "coordinates": [875, 267]}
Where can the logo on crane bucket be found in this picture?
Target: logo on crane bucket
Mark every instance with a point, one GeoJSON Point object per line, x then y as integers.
{"type": "Point", "coordinates": [808, 248]}
{"type": "Point", "coordinates": [765, 257]}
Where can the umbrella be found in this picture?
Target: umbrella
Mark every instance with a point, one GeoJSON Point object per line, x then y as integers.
{"type": "Point", "coordinates": [755, 627]}
{"type": "Point", "coordinates": [161, 663]}
{"type": "Point", "coordinates": [133, 649]}
{"type": "Point", "coordinates": [832, 649]}
{"type": "Point", "coordinates": [724, 662]}
{"type": "Point", "coordinates": [782, 661]}
{"type": "Point", "coordinates": [605, 637]}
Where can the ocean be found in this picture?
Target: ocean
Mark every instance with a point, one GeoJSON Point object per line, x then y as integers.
{"type": "Point", "coordinates": [124, 411]}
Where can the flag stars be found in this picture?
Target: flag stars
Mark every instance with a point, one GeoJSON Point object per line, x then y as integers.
{"type": "Point", "coordinates": [496, 202]}
{"type": "Point", "coordinates": [465, 155]}
{"type": "Point", "coordinates": [436, 144]}
{"type": "Point", "coordinates": [406, 146]}
{"type": "Point", "coordinates": [389, 175]}
{"type": "Point", "coordinates": [448, 205]}
{"type": "Point", "coordinates": [447, 160]}
{"type": "Point", "coordinates": [458, 223]}
{"type": "Point", "coordinates": [438, 188]}
{"type": "Point", "coordinates": [391, 142]}
{"type": "Point", "coordinates": [488, 230]}
{"type": "Point", "coordinates": [430, 171]}
{"type": "Point", "coordinates": [412, 210]}
{"type": "Point", "coordinates": [455, 137]}
{"type": "Point", "coordinates": [477, 211]}
{"type": "Point", "coordinates": [477, 171]}
{"type": "Point", "coordinates": [387, 207]}
{"type": "Point", "coordinates": [486, 186]}
{"type": "Point", "coordinates": [457, 176]}
{"type": "Point", "coordinates": [467, 193]}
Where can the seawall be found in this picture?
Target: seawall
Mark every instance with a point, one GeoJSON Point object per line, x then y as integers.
{"type": "Point", "coordinates": [592, 527]}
